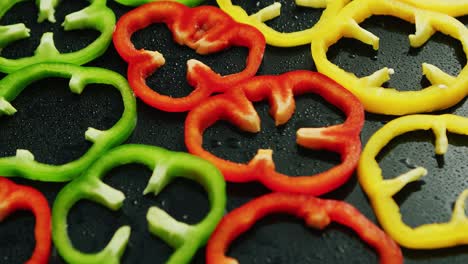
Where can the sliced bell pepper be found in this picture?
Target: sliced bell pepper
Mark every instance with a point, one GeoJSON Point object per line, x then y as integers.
{"type": "Point", "coordinates": [23, 164]}
{"type": "Point", "coordinates": [282, 39]}
{"type": "Point", "coordinates": [449, 7]}
{"type": "Point", "coordinates": [96, 16]}
{"type": "Point", "coordinates": [317, 213]}
{"type": "Point", "coordinates": [142, 2]}
{"type": "Point", "coordinates": [381, 191]}
{"type": "Point", "coordinates": [445, 90]}
{"type": "Point", "coordinates": [237, 108]}
{"type": "Point", "coordinates": [14, 197]}
{"type": "Point", "coordinates": [205, 29]}
{"type": "Point", "coordinates": [166, 165]}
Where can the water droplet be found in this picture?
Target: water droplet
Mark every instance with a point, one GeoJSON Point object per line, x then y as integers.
{"type": "Point", "coordinates": [352, 56]}
{"type": "Point", "coordinates": [408, 163]}
{"type": "Point", "coordinates": [233, 143]}
{"type": "Point", "coordinates": [135, 202]}
{"type": "Point", "coordinates": [216, 143]}
{"type": "Point", "coordinates": [374, 58]}
{"type": "Point", "coordinates": [341, 249]}
{"type": "Point", "coordinates": [185, 217]}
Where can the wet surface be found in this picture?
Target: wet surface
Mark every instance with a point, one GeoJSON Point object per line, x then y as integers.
{"type": "Point", "coordinates": [277, 238]}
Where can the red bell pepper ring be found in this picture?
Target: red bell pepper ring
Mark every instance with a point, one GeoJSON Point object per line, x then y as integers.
{"type": "Point", "coordinates": [317, 213]}
{"type": "Point", "coordinates": [237, 108]}
{"type": "Point", "coordinates": [205, 29]}
{"type": "Point", "coordinates": [15, 197]}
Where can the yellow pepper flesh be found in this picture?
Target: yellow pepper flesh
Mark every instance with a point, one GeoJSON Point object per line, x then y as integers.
{"type": "Point", "coordinates": [449, 7]}
{"type": "Point", "coordinates": [381, 191]}
{"type": "Point", "coordinates": [445, 90]}
{"type": "Point", "coordinates": [281, 39]}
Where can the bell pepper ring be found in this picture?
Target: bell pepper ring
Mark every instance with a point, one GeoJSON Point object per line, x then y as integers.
{"type": "Point", "coordinates": [14, 197]}
{"type": "Point", "coordinates": [445, 91]}
{"type": "Point", "coordinates": [205, 29]}
{"type": "Point", "coordinates": [142, 2]}
{"type": "Point", "coordinates": [23, 164]}
{"type": "Point", "coordinates": [237, 107]}
{"type": "Point", "coordinates": [317, 213]}
{"type": "Point", "coordinates": [450, 7]}
{"type": "Point", "coordinates": [381, 191]}
{"type": "Point", "coordinates": [282, 39]}
{"type": "Point", "coordinates": [166, 165]}
{"type": "Point", "coordinates": [96, 16]}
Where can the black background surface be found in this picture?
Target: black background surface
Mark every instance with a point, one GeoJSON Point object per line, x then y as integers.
{"type": "Point", "coordinates": [51, 122]}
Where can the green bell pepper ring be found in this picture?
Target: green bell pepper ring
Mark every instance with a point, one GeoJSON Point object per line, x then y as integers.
{"type": "Point", "coordinates": [23, 164]}
{"type": "Point", "coordinates": [96, 16]}
{"type": "Point", "coordinates": [190, 3]}
{"type": "Point", "coordinates": [166, 166]}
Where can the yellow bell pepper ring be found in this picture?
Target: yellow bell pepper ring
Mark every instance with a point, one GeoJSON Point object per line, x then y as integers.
{"type": "Point", "coordinates": [450, 7]}
{"type": "Point", "coordinates": [381, 191]}
{"type": "Point", "coordinates": [445, 90]}
{"type": "Point", "coordinates": [282, 39]}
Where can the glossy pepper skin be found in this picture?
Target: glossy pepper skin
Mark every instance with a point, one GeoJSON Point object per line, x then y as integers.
{"type": "Point", "coordinates": [381, 191]}
{"type": "Point", "coordinates": [142, 2]}
{"type": "Point", "coordinates": [205, 29]}
{"type": "Point", "coordinates": [96, 16]}
{"type": "Point", "coordinates": [317, 213]}
{"type": "Point", "coordinates": [450, 7]}
{"type": "Point", "coordinates": [166, 166]}
{"type": "Point", "coordinates": [237, 108]}
{"type": "Point", "coordinates": [14, 197]}
{"type": "Point", "coordinates": [23, 164]}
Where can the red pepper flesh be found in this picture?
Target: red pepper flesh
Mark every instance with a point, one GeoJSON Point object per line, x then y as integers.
{"type": "Point", "coordinates": [205, 29]}
{"type": "Point", "coordinates": [237, 108]}
{"type": "Point", "coordinates": [317, 213]}
{"type": "Point", "coordinates": [15, 197]}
